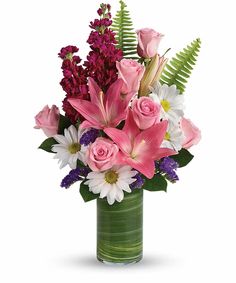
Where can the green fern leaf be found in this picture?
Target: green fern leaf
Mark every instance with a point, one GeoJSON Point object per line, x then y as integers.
{"type": "Point", "coordinates": [126, 37]}
{"type": "Point", "coordinates": [178, 70]}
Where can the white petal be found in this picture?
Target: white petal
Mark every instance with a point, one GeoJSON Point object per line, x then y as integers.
{"type": "Point", "coordinates": [68, 136]}
{"type": "Point", "coordinates": [95, 175]}
{"type": "Point", "coordinates": [123, 186]}
{"type": "Point", "coordinates": [104, 191]}
{"type": "Point", "coordinates": [124, 169]}
{"type": "Point", "coordinates": [73, 134]}
{"type": "Point", "coordinates": [119, 195]}
{"type": "Point", "coordinates": [112, 192]}
{"type": "Point", "coordinates": [96, 189]}
{"type": "Point", "coordinates": [96, 182]}
{"type": "Point", "coordinates": [110, 200]}
{"type": "Point", "coordinates": [61, 139]}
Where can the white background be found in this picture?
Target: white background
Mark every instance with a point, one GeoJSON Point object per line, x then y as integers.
{"type": "Point", "coordinates": [49, 234]}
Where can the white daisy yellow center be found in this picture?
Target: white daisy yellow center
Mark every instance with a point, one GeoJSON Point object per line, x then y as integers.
{"type": "Point", "coordinates": [111, 177]}
{"type": "Point", "coordinates": [165, 104]}
{"type": "Point", "coordinates": [74, 147]}
{"type": "Point", "coordinates": [167, 136]}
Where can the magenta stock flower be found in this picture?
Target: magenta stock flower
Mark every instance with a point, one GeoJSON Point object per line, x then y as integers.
{"type": "Point", "coordinates": [140, 149]}
{"type": "Point", "coordinates": [74, 82]}
{"type": "Point", "coordinates": [101, 61]}
{"type": "Point", "coordinates": [104, 110]}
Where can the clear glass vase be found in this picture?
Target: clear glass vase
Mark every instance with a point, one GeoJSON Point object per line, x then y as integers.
{"type": "Point", "coordinates": [120, 229]}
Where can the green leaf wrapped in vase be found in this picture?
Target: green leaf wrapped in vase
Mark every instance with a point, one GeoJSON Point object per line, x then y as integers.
{"type": "Point", "coordinates": [120, 229]}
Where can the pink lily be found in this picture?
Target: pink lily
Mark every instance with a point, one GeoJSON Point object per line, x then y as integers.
{"type": "Point", "coordinates": [140, 149]}
{"type": "Point", "coordinates": [104, 110]}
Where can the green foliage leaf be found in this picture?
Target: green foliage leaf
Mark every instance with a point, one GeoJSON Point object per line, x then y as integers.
{"type": "Point", "coordinates": [64, 123]}
{"type": "Point", "coordinates": [157, 183]}
{"type": "Point", "coordinates": [47, 144]}
{"type": "Point", "coordinates": [183, 157]}
{"type": "Point", "coordinates": [125, 35]}
{"type": "Point", "coordinates": [178, 70]}
{"type": "Point", "coordinates": [86, 194]}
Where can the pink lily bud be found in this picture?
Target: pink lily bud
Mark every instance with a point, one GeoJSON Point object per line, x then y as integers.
{"type": "Point", "coordinates": [152, 74]}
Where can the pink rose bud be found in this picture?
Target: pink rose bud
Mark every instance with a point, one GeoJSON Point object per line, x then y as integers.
{"type": "Point", "coordinates": [131, 72]}
{"type": "Point", "coordinates": [48, 120]}
{"type": "Point", "coordinates": [102, 154]}
{"type": "Point", "coordinates": [146, 112]}
{"type": "Point", "coordinates": [148, 42]}
{"type": "Point", "coordinates": [192, 134]}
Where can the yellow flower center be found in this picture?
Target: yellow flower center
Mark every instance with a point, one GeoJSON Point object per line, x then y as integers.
{"type": "Point", "coordinates": [166, 105]}
{"type": "Point", "coordinates": [74, 147]}
{"type": "Point", "coordinates": [167, 136]}
{"type": "Point", "coordinates": [111, 177]}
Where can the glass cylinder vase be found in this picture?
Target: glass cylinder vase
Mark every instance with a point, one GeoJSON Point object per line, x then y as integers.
{"type": "Point", "coordinates": [120, 229]}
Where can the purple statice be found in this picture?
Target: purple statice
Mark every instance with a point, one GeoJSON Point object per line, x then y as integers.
{"type": "Point", "coordinates": [89, 137]}
{"type": "Point", "coordinates": [74, 176]}
{"type": "Point", "coordinates": [168, 166]}
{"type": "Point", "coordinates": [138, 183]}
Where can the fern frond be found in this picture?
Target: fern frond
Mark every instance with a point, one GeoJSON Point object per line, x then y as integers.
{"type": "Point", "coordinates": [126, 37]}
{"type": "Point", "coordinates": [178, 70]}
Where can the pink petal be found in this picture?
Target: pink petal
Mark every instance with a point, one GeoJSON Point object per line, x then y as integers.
{"type": "Point", "coordinates": [86, 124]}
{"type": "Point", "coordinates": [120, 72]}
{"type": "Point", "coordinates": [120, 138]}
{"type": "Point", "coordinates": [94, 90]}
{"type": "Point", "coordinates": [127, 97]}
{"type": "Point", "coordinates": [113, 93]}
{"type": "Point", "coordinates": [131, 128]}
{"type": "Point", "coordinates": [88, 110]}
{"type": "Point", "coordinates": [121, 158]}
{"type": "Point", "coordinates": [144, 166]}
{"type": "Point", "coordinates": [115, 107]}
{"type": "Point", "coordinates": [152, 137]}
{"type": "Point", "coordinates": [163, 152]}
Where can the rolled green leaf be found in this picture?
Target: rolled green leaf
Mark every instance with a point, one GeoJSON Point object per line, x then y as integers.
{"type": "Point", "coordinates": [120, 229]}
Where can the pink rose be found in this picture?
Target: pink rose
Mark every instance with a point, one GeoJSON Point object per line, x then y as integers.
{"type": "Point", "coordinates": [48, 120]}
{"type": "Point", "coordinates": [131, 72]}
{"type": "Point", "coordinates": [102, 154]}
{"type": "Point", "coordinates": [146, 112]}
{"type": "Point", "coordinates": [192, 134]}
{"type": "Point", "coordinates": [148, 42]}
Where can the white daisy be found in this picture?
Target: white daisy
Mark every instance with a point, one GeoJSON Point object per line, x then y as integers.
{"type": "Point", "coordinates": [111, 183]}
{"type": "Point", "coordinates": [170, 100]}
{"type": "Point", "coordinates": [173, 138]}
{"type": "Point", "coordinates": [69, 150]}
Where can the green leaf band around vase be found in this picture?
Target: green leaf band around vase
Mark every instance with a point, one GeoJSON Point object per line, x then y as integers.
{"type": "Point", "coordinates": [120, 229]}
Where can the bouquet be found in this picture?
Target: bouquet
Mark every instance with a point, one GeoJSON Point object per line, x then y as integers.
{"type": "Point", "coordinates": [123, 129]}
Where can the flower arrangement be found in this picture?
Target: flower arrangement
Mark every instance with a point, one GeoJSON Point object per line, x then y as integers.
{"type": "Point", "coordinates": [124, 127]}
